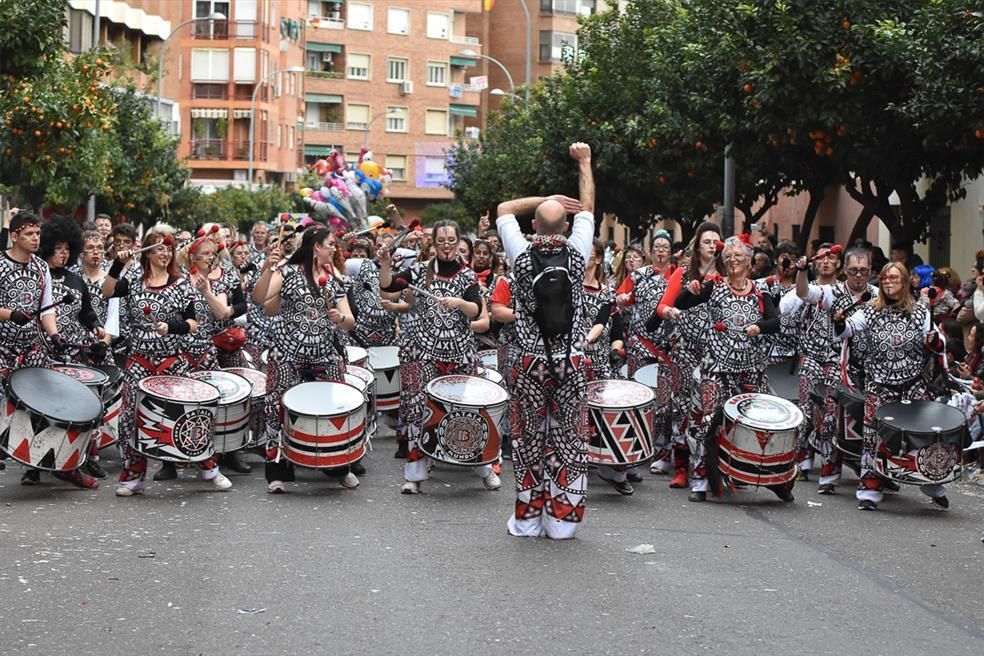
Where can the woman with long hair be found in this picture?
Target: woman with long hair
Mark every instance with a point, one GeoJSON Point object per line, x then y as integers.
{"type": "Point", "coordinates": [445, 298]}
{"type": "Point", "coordinates": [736, 354]}
{"type": "Point", "coordinates": [312, 310]}
{"type": "Point", "coordinates": [687, 347]}
{"type": "Point", "coordinates": [898, 333]}
{"type": "Point", "coordinates": [485, 264]}
{"type": "Point", "coordinates": [160, 309]}
{"type": "Point", "coordinates": [631, 259]}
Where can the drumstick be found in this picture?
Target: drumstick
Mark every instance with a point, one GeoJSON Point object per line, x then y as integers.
{"type": "Point", "coordinates": [414, 223]}
{"type": "Point", "coordinates": [284, 218]}
{"type": "Point", "coordinates": [366, 231]}
{"type": "Point", "coordinates": [67, 299]}
{"type": "Point", "coordinates": [833, 250]}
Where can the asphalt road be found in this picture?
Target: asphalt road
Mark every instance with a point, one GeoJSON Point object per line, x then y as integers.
{"type": "Point", "coordinates": [187, 570]}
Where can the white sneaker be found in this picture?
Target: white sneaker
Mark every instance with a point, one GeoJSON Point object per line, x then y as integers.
{"type": "Point", "coordinates": [350, 481]}
{"type": "Point", "coordinates": [275, 487]}
{"type": "Point", "coordinates": [492, 482]}
{"type": "Point", "coordinates": [410, 487]}
{"type": "Point", "coordinates": [128, 492]}
{"type": "Point", "coordinates": [221, 482]}
{"type": "Point", "coordinates": [660, 467]}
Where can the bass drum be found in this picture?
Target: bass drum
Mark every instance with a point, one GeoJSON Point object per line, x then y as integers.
{"type": "Point", "coordinates": [112, 398]}
{"type": "Point", "coordinates": [257, 420]}
{"type": "Point", "coordinates": [385, 361]}
{"type": "Point", "coordinates": [921, 442]}
{"type": "Point", "coordinates": [324, 425]}
{"type": "Point", "coordinates": [176, 418]}
{"type": "Point", "coordinates": [621, 415]}
{"type": "Point", "coordinates": [463, 420]}
{"type": "Point", "coordinates": [233, 412]}
{"type": "Point", "coordinates": [758, 442]}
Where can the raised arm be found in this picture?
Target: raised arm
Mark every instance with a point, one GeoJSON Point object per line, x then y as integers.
{"type": "Point", "coordinates": [585, 175]}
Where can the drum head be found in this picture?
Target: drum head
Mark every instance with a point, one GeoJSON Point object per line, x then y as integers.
{"type": "Point", "coordinates": [180, 389]}
{"type": "Point", "coordinates": [614, 394]}
{"type": "Point", "coordinates": [467, 390]}
{"type": "Point", "coordinates": [356, 354]}
{"type": "Point", "coordinates": [321, 399]}
{"type": "Point", "coordinates": [925, 417]}
{"type": "Point", "coordinates": [383, 357]}
{"type": "Point", "coordinates": [55, 395]}
{"type": "Point", "coordinates": [361, 373]}
{"type": "Point", "coordinates": [647, 375]}
{"type": "Point", "coordinates": [763, 411]}
{"type": "Point", "coordinates": [490, 374]}
{"type": "Point", "coordinates": [86, 375]}
{"type": "Point", "coordinates": [489, 358]}
{"type": "Point", "coordinates": [356, 382]}
{"type": "Point", "coordinates": [114, 373]}
{"type": "Point", "coordinates": [257, 379]}
{"type": "Point", "coordinates": [232, 387]}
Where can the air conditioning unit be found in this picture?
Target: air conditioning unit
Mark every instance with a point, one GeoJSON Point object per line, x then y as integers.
{"type": "Point", "coordinates": [472, 133]}
{"type": "Point", "coordinates": [406, 88]}
{"type": "Point", "coordinates": [327, 57]}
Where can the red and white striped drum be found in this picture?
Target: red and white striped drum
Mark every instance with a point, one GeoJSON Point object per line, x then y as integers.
{"type": "Point", "coordinates": [489, 358]}
{"type": "Point", "coordinates": [176, 418]}
{"type": "Point", "coordinates": [324, 425]}
{"type": "Point", "coordinates": [357, 355]}
{"type": "Point", "coordinates": [112, 397]}
{"type": "Point", "coordinates": [48, 419]}
{"type": "Point", "coordinates": [365, 381]}
{"type": "Point", "coordinates": [385, 361]}
{"type": "Point", "coordinates": [233, 413]}
{"type": "Point", "coordinates": [463, 420]}
{"type": "Point", "coordinates": [921, 442]}
{"type": "Point", "coordinates": [97, 381]}
{"type": "Point", "coordinates": [620, 414]}
{"type": "Point", "coordinates": [257, 382]}
{"type": "Point", "coordinates": [758, 442]}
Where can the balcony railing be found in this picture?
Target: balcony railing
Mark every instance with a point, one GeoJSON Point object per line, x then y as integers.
{"type": "Point", "coordinates": [324, 127]}
{"type": "Point", "coordinates": [226, 29]}
{"type": "Point", "coordinates": [326, 23]}
{"type": "Point", "coordinates": [465, 40]}
{"type": "Point", "coordinates": [209, 91]}
{"type": "Point", "coordinates": [331, 75]}
{"type": "Point", "coordinates": [208, 148]}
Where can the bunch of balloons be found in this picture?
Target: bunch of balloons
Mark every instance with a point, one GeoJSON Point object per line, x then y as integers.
{"type": "Point", "coordinates": [347, 189]}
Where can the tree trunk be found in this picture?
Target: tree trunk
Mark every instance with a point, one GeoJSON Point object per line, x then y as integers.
{"type": "Point", "coordinates": [816, 199]}
{"type": "Point", "coordinates": [861, 224]}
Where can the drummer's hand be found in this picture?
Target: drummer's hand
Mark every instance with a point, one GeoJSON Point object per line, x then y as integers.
{"type": "Point", "coordinates": [753, 330]}
{"type": "Point", "coordinates": [383, 255]}
{"type": "Point", "coordinates": [623, 299]}
{"type": "Point", "coordinates": [450, 303]}
{"type": "Point", "coordinates": [694, 287]}
{"type": "Point", "coordinates": [58, 342]}
{"type": "Point", "coordinates": [484, 223]}
{"type": "Point", "coordinates": [388, 305]}
{"type": "Point", "coordinates": [200, 281]}
{"type": "Point", "coordinates": [963, 369]}
{"type": "Point", "coordinates": [335, 316]}
{"type": "Point", "coordinates": [272, 258]}
{"type": "Point", "coordinates": [839, 316]}
{"type": "Point", "coordinates": [100, 333]}
{"type": "Point", "coordinates": [124, 256]}
{"type": "Point", "coordinates": [161, 329]}
{"type": "Point", "coordinates": [8, 217]}
{"type": "Point", "coordinates": [672, 313]}
{"type": "Point", "coordinates": [801, 263]}
{"type": "Point", "coordinates": [979, 407]}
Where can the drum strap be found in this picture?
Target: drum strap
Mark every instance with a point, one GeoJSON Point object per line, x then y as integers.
{"type": "Point", "coordinates": [193, 361]}
{"type": "Point", "coordinates": [150, 366]}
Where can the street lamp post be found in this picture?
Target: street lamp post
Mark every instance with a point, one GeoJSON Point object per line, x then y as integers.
{"type": "Point", "coordinates": [509, 79]}
{"type": "Point", "coordinates": [365, 139]}
{"type": "Point", "coordinates": [500, 92]}
{"type": "Point", "coordinates": [160, 59]}
{"type": "Point", "coordinates": [252, 116]}
{"type": "Point", "coordinates": [529, 47]}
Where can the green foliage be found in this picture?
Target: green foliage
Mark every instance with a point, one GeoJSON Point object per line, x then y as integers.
{"type": "Point", "coordinates": [234, 205]}
{"type": "Point", "coordinates": [454, 210]}
{"type": "Point", "coordinates": [30, 36]}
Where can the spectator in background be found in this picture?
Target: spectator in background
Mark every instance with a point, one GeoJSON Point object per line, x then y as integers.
{"type": "Point", "coordinates": [104, 224]}
{"type": "Point", "coordinates": [902, 252]}
{"type": "Point", "coordinates": [762, 264]}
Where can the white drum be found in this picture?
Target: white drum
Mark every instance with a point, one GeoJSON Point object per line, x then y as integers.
{"type": "Point", "coordinates": [620, 413]}
{"type": "Point", "coordinates": [385, 361]}
{"type": "Point", "coordinates": [758, 444]}
{"type": "Point", "coordinates": [463, 420]}
{"type": "Point", "coordinates": [489, 358]}
{"type": "Point", "coordinates": [492, 375]}
{"type": "Point", "coordinates": [324, 425]}
{"type": "Point", "coordinates": [365, 381]}
{"type": "Point", "coordinates": [233, 414]}
{"type": "Point", "coordinates": [356, 355]}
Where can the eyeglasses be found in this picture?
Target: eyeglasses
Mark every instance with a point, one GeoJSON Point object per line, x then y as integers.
{"type": "Point", "coordinates": [446, 242]}
{"type": "Point", "coordinates": [661, 247]}
{"type": "Point", "coordinates": [735, 257]}
{"type": "Point", "coordinates": [857, 271]}
{"type": "Point", "coordinates": [891, 278]}
{"type": "Point", "coordinates": [90, 251]}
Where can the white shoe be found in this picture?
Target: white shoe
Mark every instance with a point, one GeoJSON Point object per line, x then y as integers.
{"type": "Point", "coordinates": [350, 481]}
{"type": "Point", "coordinates": [275, 487]}
{"type": "Point", "coordinates": [221, 482]}
{"type": "Point", "coordinates": [410, 487]}
{"type": "Point", "coordinates": [660, 467]}
{"type": "Point", "coordinates": [492, 482]}
{"type": "Point", "coordinates": [128, 492]}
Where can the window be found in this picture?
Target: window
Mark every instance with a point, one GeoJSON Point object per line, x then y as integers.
{"type": "Point", "coordinates": [358, 66]}
{"type": "Point", "coordinates": [437, 74]}
{"type": "Point", "coordinates": [438, 25]}
{"type": "Point", "coordinates": [396, 119]}
{"type": "Point", "coordinates": [78, 33]}
{"type": "Point", "coordinates": [570, 7]}
{"type": "Point", "coordinates": [398, 165]}
{"type": "Point", "coordinates": [245, 19]}
{"type": "Point", "coordinates": [396, 70]}
{"type": "Point", "coordinates": [209, 65]}
{"type": "Point", "coordinates": [244, 65]}
{"type": "Point", "coordinates": [436, 122]}
{"type": "Point", "coordinates": [356, 117]}
{"type": "Point", "coordinates": [290, 142]}
{"type": "Point", "coordinates": [555, 46]}
{"type": "Point", "coordinates": [216, 29]}
{"type": "Point", "coordinates": [398, 21]}
{"type": "Point", "coordinates": [359, 16]}
{"type": "Point", "coordinates": [434, 173]}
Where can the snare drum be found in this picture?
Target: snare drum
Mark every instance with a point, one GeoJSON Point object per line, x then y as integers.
{"type": "Point", "coordinates": [176, 418]}
{"type": "Point", "coordinates": [463, 420]}
{"type": "Point", "coordinates": [620, 416]}
{"type": "Point", "coordinates": [491, 375]}
{"type": "Point", "coordinates": [920, 442]}
{"type": "Point", "coordinates": [233, 413]}
{"type": "Point", "coordinates": [324, 425]}
{"type": "Point", "coordinates": [367, 383]}
{"type": "Point", "coordinates": [850, 424]}
{"type": "Point", "coordinates": [385, 361]}
{"type": "Point", "coordinates": [112, 398]}
{"type": "Point", "coordinates": [97, 381]}
{"type": "Point", "coordinates": [489, 359]}
{"type": "Point", "coordinates": [758, 443]}
{"type": "Point", "coordinates": [257, 418]}
{"type": "Point", "coordinates": [357, 355]}
{"type": "Point", "coordinates": [48, 419]}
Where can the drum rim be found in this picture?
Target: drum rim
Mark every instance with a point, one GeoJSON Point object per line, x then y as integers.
{"type": "Point", "coordinates": [82, 424]}
{"type": "Point", "coordinates": [245, 394]}
{"type": "Point", "coordinates": [369, 377]}
{"type": "Point", "coordinates": [499, 390]}
{"type": "Point", "coordinates": [362, 398]}
{"type": "Point", "coordinates": [617, 406]}
{"type": "Point", "coordinates": [794, 421]}
{"type": "Point", "coordinates": [957, 415]}
{"type": "Point", "coordinates": [654, 366]}
{"type": "Point", "coordinates": [206, 401]}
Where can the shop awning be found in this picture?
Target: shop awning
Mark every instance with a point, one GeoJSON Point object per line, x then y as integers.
{"type": "Point", "coordinates": [465, 62]}
{"type": "Point", "coordinates": [317, 150]}
{"type": "Point", "coordinates": [331, 98]}
{"type": "Point", "coordinates": [202, 112]}
{"type": "Point", "coordinates": [323, 47]}
{"type": "Point", "coordinates": [468, 111]}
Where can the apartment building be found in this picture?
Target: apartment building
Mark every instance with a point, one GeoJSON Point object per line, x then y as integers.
{"type": "Point", "coordinates": [391, 75]}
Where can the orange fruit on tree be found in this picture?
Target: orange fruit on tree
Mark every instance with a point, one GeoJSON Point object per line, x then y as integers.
{"type": "Point", "coordinates": [747, 88]}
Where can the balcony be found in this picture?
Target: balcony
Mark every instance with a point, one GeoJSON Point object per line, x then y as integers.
{"type": "Point", "coordinates": [328, 75]}
{"type": "Point", "coordinates": [217, 30]}
{"type": "Point", "coordinates": [326, 23]}
{"type": "Point", "coordinates": [324, 127]}
{"type": "Point", "coordinates": [201, 91]}
{"type": "Point", "coordinates": [465, 40]}
{"type": "Point", "coordinates": [208, 149]}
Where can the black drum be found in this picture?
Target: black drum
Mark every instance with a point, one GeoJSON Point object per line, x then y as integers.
{"type": "Point", "coordinates": [921, 442]}
{"type": "Point", "coordinates": [850, 422]}
{"type": "Point", "coordinates": [783, 381]}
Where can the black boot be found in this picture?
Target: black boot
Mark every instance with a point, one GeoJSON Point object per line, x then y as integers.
{"type": "Point", "coordinates": [236, 462]}
{"type": "Point", "coordinates": [167, 472]}
{"type": "Point", "coordinates": [94, 469]}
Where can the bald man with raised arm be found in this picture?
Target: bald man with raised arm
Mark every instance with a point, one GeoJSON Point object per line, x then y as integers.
{"type": "Point", "coordinates": [548, 407]}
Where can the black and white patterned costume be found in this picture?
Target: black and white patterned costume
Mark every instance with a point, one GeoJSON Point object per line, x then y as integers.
{"type": "Point", "coordinates": [374, 326]}
{"type": "Point", "coordinates": [26, 287]}
{"type": "Point", "coordinates": [198, 347]}
{"type": "Point", "coordinates": [599, 307]}
{"type": "Point", "coordinates": [75, 320]}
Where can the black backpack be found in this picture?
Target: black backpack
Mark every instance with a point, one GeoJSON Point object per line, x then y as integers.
{"type": "Point", "coordinates": [553, 293]}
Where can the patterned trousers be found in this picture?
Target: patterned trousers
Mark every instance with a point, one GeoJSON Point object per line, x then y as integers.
{"type": "Point", "coordinates": [715, 388]}
{"type": "Point", "coordinates": [549, 434]}
{"type": "Point", "coordinates": [666, 440]}
{"type": "Point", "coordinates": [282, 374]}
{"type": "Point", "coordinates": [135, 463]}
{"type": "Point", "coordinates": [819, 427]}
